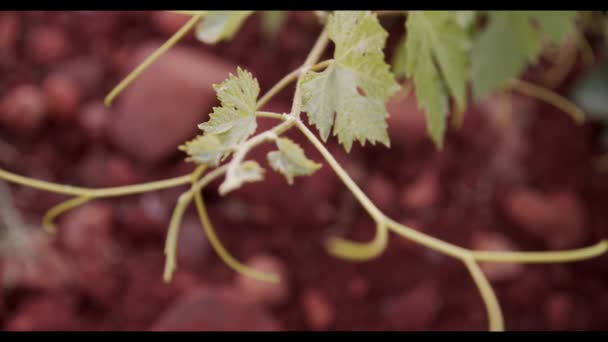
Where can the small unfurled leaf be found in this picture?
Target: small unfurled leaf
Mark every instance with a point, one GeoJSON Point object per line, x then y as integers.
{"type": "Point", "coordinates": [220, 25]}
{"type": "Point", "coordinates": [204, 149]}
{"type": "Point", "coordinates": [437, 59]}
{"type": "Point", "coordinates": [246, 172]}
{"type": "Point", "coordinates": [272, 21]}
{"type": "Point", "coordinates": [510, 42]}
{"type": "Point", "coordinates": [291, 161]}
{"type": "Point", "coordinates": [353, 90]}
{"type": "Point", "coordinates": [235, 120]}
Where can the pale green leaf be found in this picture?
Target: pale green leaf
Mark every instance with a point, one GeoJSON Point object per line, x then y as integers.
{"type": "Point", "coordinates": [465, 18]}
{"type": "Point", "coordinates": [204, 149]}
{"type": "Point", "coordinates": [291, 161]}
{"type": "Point", "coordinates": [220, 25]}
{"type": "Point", "coordinates": [511, 41]}
{"type": "Point", "coordinates": [272, 22]}
{"type": "Point", "coordinates": [353, 90]}
{"type": "Point", "coordinates": [235, 120]}
{"type": "Point", "coordinates": [398, 62]}
{"type": "Point", "coordinates": [436, 57]}
{"type": "Point", "coordinates": [443, 37]}
{"type": "Point", "coordinates": [246, 172]}
{"type": "Point", "coordinates": [503, 50]}
{"type": "Point", "coordinates": [555, 24]}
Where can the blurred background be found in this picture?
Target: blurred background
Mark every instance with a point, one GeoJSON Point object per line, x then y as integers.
{"type": "Point", "coordinates": [516, 177]}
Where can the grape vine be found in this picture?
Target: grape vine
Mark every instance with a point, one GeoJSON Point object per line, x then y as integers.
{"type": "Point", "coordinates": [345, 97]}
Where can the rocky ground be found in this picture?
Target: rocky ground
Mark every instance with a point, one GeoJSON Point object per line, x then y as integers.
{"type": "Point", "coordinates": [525, 182]}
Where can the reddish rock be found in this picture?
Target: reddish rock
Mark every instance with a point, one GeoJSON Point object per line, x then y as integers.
{"type": "Point", "coordinates": [264, 292]}
{"type": "Point", "coordinates": [381, 191]}
{"type": "Point", "coordinates": [46, 44]}
{"type": "Point", "coordinates": [318, 310]}
{"type": "Point", "coordinates": [9, 30]}
{"type": "Point", "coordinates": [192, 244]}
{"type": "Point", "coordinates": [53, 312]}
{"type": "Point", "coordinates": [23, 109]}
{"type": "Point", "coordinates": [93, 120]}
{"type": "Point", "coordinates": [558, 311]}
{"type": "Point", "coordinates": [96, 278]}
{"type": "Point", "coordinates": [557, 218]}
{"type": "Point", "coordinates": [86, 72]}
{"type": "Point", "coordinates": [63, 96]}
{"type": "Point", "coordinates": [121, 171]}
{"type": "Point", "coordinates": [421, 194]}
{"type": "Point", "coordinates": [142, 295]}
{"type": "Point", "coordinates": [168, 23]}
{"type": "Point", "coordinates": [530, 286]}
{"type": "Point", "coordinates": [406, 122]}
{"type": "Point", "coordinates": [215, 309]}
{"type": "Point", "coordinates": [415, 309]}
{"type": "Point", "coordinates": [36, 265]}
{"type": "Point", "coordinates": [358, 287]}
{"type": "Point", "coordinates": [493, 241]}
{"type": "Point", "coordinates": [101, 169]}
{"type": "Point", "coordinates": [86, 230]}
{"type": "Point", "coordinates": [162, 108]}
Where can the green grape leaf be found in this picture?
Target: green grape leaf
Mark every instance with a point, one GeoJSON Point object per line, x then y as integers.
{"type": "Point", "coordinates": [204, 149]}
{"type": "Point", "coordinates": [511, 41]}
{"type": "Point", "coordinates": [436, 53]}
{"type": "Point", "coordinates": [442, 35]}
{"type": "Point", "coordinates": [291, 161]}
{"type": "Point", "coordinates": [235, 120]}
{"type": "Point", "coordinates": [220, 25]}
{"type": "Point", "coordinates": [353, 90]}
{"type": "Point", "coordinates": [465, 18]}
{"type": "Point", "coordinates": [398, 62]}
{"type": "Point", "coordinates": [272, 21]}
{"type": "Point", "coordinates": [555, 24]}
{"type": "Point", "coordinates": [246, 172]}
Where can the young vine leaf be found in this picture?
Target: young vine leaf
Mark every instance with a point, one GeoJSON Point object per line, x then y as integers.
{"type": "Point", "coordinates": [235, 120]}
{"type": "Point", "coordinates": [435, 55]}
{"type": "Point", "coordinates": [291, 161]}
{"type": "Point", "coordinates": [220, 25]}
{"type": "Point", "coordinates": [246, 172]}
{"type": "Point", "coordinates": [353, 90]}
{"type": "Point", "coordinates": [230, 124]}
{"type": "Point", "coordinates": [511, 40]}
{"type": "Point", "coordinates": [204, 149]}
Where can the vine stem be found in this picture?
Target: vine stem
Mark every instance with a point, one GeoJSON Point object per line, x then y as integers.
{"type": "Point", "coordinates": [548, 96]}
{"type": "Point", "coordinates": [178, 212]}
{"type": "Point", "coordinates": [271, 134]}
{"type": "Point", "coordinates": [91, 192]}
{"type": "Point", "coordinates": [219, 249]}
{"type": "Point", "coordinates": [359, 251]}
{"type": "Point", "coordinates": [337, 246]}
{"type": "Point", "coordinates": [196, 17]}
{"type": "Point", "coordinates": [495, 318]}
{"type": "Point", "coordinates": [543, 257]}
{"type": "Point", "coordinates": [311, 59]}
{"type": "Point", "coordinates": [288, 79]}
